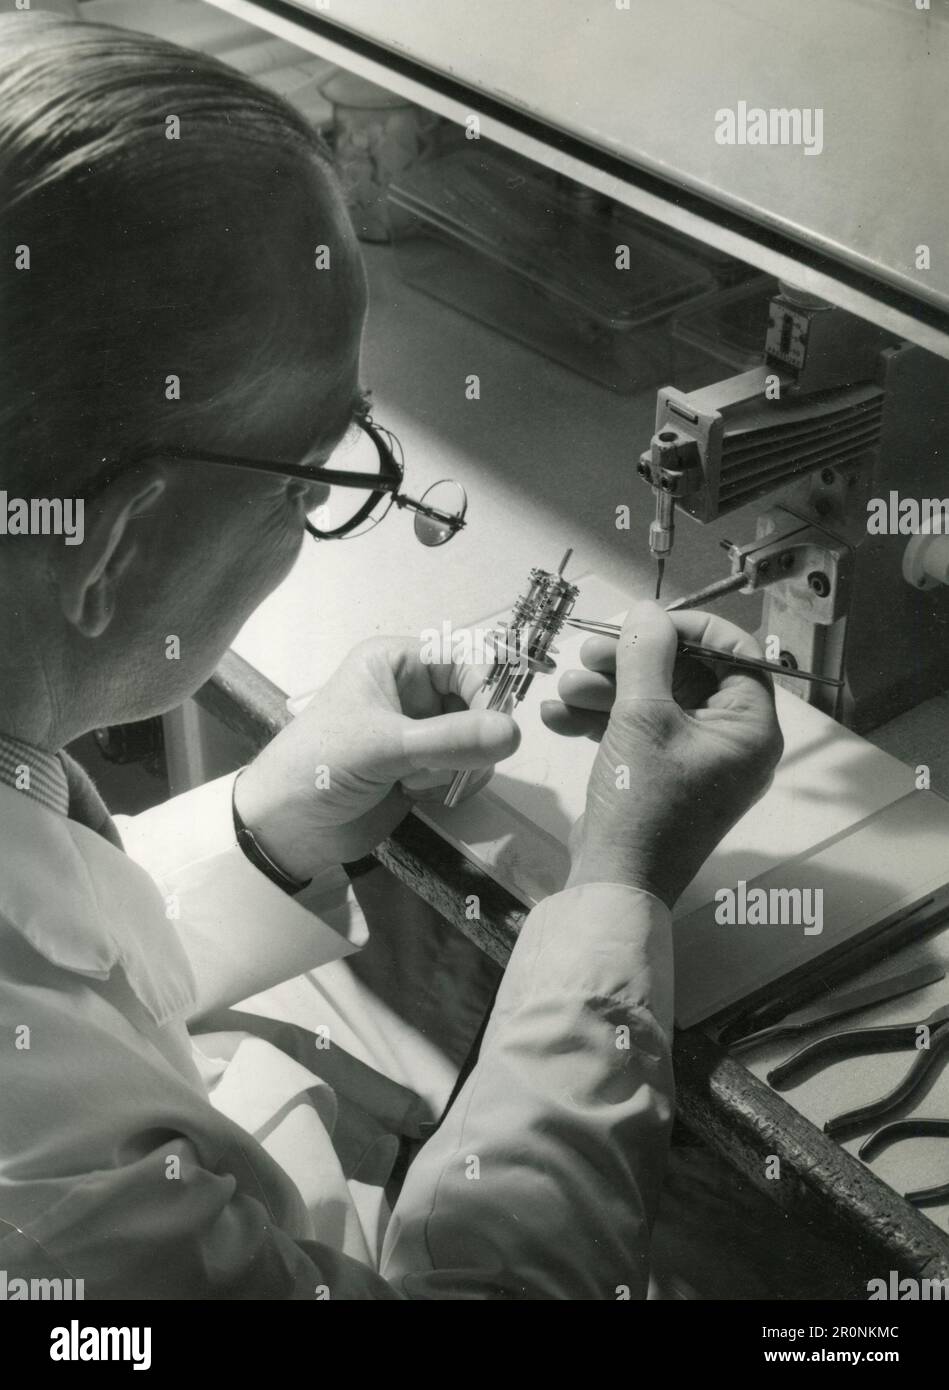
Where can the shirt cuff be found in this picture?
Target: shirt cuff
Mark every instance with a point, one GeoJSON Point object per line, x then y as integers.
{"type": "Point", "coordinates": [602, 940]}
{"type": "Point", "coordinates": [241, 932]}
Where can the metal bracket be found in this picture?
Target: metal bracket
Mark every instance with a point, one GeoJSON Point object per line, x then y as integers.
{"type": "Point", "coordinates": [813, 568]}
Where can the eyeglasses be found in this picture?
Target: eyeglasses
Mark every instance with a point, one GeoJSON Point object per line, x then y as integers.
{"type": "Point", "coordinates": [364, 473]}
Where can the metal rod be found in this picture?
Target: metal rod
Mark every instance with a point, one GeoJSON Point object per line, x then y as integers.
{"type": "Point", "coordinates": [499, 697]}
{"type": "Point", "coordinates": [458, 784]}
{"type": "Point", "coordinates": [711, 591]}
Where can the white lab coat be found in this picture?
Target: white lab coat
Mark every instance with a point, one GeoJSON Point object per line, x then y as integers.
{"type": "Point", "coordinates": [154, 1167]}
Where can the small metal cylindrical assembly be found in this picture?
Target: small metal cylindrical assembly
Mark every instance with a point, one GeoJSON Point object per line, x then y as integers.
{"type": "Point", "coordinates": [523, 647]}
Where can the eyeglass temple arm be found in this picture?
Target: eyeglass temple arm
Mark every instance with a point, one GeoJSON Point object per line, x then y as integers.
{"type": "Point", "coordinates": [334, 477]}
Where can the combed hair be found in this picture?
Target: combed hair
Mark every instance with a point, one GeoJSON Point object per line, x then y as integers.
{"type": "Point", "coordinates": [148, 256]}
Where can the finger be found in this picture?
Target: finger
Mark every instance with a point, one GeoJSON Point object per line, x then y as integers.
{"type": "Point", "coordinates": [431, 786]}
{"type": "Point", "coordinates": [646, 653]}
{"type": "Point", "coordinates": [749, 691]}
{"type": "Point", "coordinates": [587, 690]}
{"type": "Point", "coordinates": [472, 739]}
{"type": "Point", "coordinates": [599, 654]}
{"type": "Point", "coordinates": [750, 688]}
{"type": "Point", "coordinates": [572, 723]}
{"type": "Point", "coordinates": [694, 682]}
{"type": "Point", "coordinates": [711, 630]}
{"type": "Point", "coordinates": [421, 785]}
{"type": "Point", "coordinates": [458, 677]}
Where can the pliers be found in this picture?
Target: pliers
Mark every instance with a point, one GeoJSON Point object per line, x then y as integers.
{"type": "Point", "coordinates": [920, 1126]}
{"type": "Point", "coordinates": [857, 1041]}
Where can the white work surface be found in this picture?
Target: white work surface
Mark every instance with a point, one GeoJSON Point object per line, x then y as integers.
{"type": "Point", "coordinates": [546, 458]}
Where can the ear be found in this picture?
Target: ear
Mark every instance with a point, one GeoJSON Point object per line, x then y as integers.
{"type": "Point", "coordinates": [92, 572]}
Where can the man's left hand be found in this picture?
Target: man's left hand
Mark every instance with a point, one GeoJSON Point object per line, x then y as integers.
{"type": "Point", "coordinates": [386, 730]}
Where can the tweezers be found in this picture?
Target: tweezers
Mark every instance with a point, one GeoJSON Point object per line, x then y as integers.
{"type": "Point", "coordinates": [741, 663]}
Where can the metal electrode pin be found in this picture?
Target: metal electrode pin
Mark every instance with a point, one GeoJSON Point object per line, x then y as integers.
{"type": "Point", "coordinates": [523, 647]}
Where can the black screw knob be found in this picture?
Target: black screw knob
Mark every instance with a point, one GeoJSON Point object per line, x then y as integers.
{"type": "Point", "coordinates": [819, 583]}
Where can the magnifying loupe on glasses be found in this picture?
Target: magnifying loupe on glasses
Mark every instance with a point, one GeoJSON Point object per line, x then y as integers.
{"type": "Point", "coordinates": [364, 474]}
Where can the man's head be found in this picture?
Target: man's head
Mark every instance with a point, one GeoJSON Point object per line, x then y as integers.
{"type": "Point", "coordinates": [190, 281]}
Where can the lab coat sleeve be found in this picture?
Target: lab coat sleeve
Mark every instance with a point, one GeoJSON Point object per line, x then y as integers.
{"type": "Point", "coordinates": [242, 934]}
{"type": "Point", "coordinates": [203, 1241]}
{"type": "Point", "coordinates": [136, 1185]}
{"type": "Point", "coordinates": [543, 1179]}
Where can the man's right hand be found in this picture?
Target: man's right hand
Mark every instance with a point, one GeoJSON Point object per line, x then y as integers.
{"type": "Point", "coordinates": [685, 748]}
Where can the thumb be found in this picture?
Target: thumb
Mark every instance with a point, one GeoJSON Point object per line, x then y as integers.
{"type": "Point", "coordinates": [646, 654]}
{"type": "Point", "coordinates": [451, 742]}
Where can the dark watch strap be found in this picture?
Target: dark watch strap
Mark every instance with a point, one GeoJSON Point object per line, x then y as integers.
{"type": "Point", "coordinates": [258, 856]}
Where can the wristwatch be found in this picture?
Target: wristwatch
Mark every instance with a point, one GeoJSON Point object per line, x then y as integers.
{"type": "Point", "coordinates": [258, 856]}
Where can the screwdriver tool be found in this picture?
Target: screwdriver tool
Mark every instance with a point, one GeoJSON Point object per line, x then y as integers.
{"type": "Point", "coordinates": [740, 663]}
